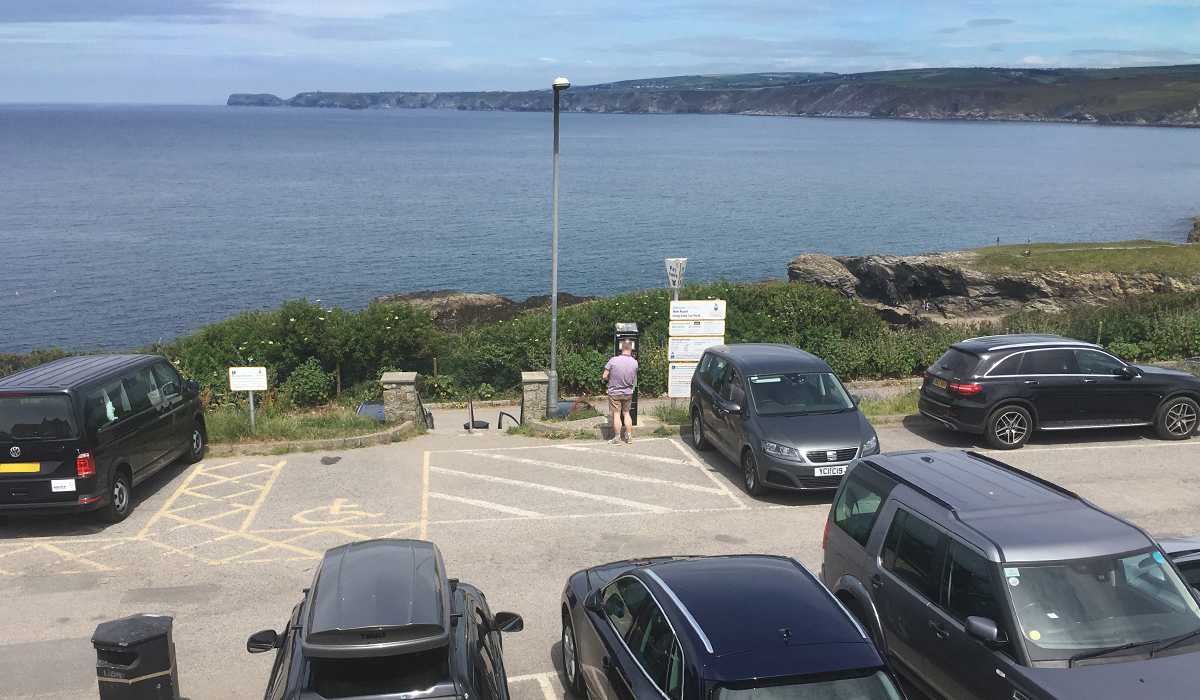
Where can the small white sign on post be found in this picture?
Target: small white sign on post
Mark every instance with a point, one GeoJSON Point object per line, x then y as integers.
{"type": "Point", "coordinates": [679, 379]}
{"type": "Point", "coordinates": [675, 268]}
{"type": "Point", "coordinates": [698, 310]}
{"type": "Point", "coordinates": [690, 348]}
{"type": "Point", "coordinates": [696, 328]}
{"type": "Point", "coordinates": [249, 379]}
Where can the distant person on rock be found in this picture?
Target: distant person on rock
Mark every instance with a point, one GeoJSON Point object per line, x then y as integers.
{"type": "Point", "coordinates": [621, 375]}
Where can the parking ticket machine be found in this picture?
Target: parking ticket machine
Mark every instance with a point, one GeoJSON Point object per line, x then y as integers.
{"type": "Point", "coordinates": [628, 331]}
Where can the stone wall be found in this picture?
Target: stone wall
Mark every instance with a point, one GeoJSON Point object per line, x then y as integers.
{"type": "Point", "coordinates": [534, 388]}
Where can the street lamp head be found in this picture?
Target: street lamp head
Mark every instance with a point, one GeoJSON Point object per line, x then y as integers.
{"type": "Point", "coordinates": [561, 84]}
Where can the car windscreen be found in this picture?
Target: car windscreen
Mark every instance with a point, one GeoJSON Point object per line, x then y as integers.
{"type": "Point", "coordinates": [1083, 605]}
{"type": "Point", "coordinates": [866, 684]}
{"type": "Point", "coordinates": [36, 418]}
{"type": "Point", "coordinates": [798, 393]}
{"type": "Point", "coordinates": [1191, 572]}
{"type": "Point", "coordinates": [379, 675]}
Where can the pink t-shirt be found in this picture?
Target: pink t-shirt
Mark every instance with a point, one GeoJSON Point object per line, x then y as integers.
{"type": "Point", "coordinates": [622, 373]}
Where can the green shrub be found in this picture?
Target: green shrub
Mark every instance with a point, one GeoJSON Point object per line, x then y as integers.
{"type": "Point", "coordinates": [308, 384]}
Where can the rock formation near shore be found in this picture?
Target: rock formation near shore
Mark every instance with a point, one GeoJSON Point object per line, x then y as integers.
{"type": "Point", "coordinates": [454, 311]}
{"type": "Point", "coordinates": [953, 286]}
{"type": "Point", "coordinates": [1194, 234]}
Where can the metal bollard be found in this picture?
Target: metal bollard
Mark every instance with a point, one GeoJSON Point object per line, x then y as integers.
{"type": "Point", "coordinates": [135, 659]}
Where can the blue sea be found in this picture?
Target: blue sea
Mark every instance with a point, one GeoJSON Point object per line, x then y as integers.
{"type": "Point", "coordinates": [124, 225]}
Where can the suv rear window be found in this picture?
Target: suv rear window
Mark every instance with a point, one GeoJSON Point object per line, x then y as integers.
{"type": "Point", "coordinates": [857, 507]}
{"type": "Point", "coordinates": [960, 364]}
{"type": "Point", "coordinates": [379, 675]}
{"type": "Point", "coordinates": [36, 418]}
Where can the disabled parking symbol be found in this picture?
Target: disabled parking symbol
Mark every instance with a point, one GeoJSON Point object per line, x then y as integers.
{"type": "Point", "coordinates": [337, 512]}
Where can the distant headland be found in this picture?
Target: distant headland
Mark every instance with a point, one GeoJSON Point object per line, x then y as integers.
{"type": "Point", "coordinates": [1146, 96]}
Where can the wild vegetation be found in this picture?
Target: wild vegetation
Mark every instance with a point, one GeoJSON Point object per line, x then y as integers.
{"type": "Point", "coordinates": [316, 356]}
{"type": "Point", "coordinates": [1132, 257]}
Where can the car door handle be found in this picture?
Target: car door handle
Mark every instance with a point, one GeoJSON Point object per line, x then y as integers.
{"type": "Point", "coordinates": [606, 663]}
{"type": "Point", "coordinates": [938, 629]}
{"type": "Point", "coordinates": [1091, 381]}
{"type": "Point", "coordinates": [876, 582]}
{"type": "Point", "coordinates": [1032, 382]}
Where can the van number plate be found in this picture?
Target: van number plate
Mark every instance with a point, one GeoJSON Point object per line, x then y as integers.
{"type": "Point", "coordinates": [830, 471]}
{"type": "Point", "coordinates": [62, 485]}
{"type": "Point", "coordinates": [939, 383]}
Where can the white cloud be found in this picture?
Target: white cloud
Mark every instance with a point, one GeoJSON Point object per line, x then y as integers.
{"type": "Point", "coordinates": [547, 60]}
{"type": "Point", "coordinates": [1032, 60]}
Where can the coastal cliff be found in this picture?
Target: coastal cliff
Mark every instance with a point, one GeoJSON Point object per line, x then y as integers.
{"type": "Point", "coordinates": [988, 283]}
{"type": "Point", "coordinates": [1162, 96]}
{"type": "Point", "coordinates": [254, 100]}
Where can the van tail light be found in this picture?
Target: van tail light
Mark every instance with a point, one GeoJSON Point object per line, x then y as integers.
{"type": "Point", "coordinates": [85, 465]}
{"type": "Point", "coordinates": [965, 389]}
{"type": "Point", "coordinates": [825, 534]}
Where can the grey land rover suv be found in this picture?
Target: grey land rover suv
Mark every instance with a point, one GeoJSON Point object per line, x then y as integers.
{"type": "Point", "coordinates": [982, 582]}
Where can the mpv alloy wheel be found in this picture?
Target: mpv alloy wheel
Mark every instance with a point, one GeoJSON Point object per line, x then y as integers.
{"type": "Point", "coordinates": [754, 487]}
{"type": "Point", "coordinates": [118, 504]}
{"type": "Point", "coordinates": [196, 448]}
{"type": "Point", "coordinates": [698, 439]}
{"type": "Point", "coordinates": [1177, 419]}
{"type": "Point", "coordinates": [1009, 428]}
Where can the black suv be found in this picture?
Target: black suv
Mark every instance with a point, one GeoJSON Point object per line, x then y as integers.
{"type": "Point", "coordinates": [1007, 386]}
{"type": "Point", "coordinates": [382, 620]}
{"type": "Point", "coordinates": [80, 432]}
{"type": "Point", "coordinates": [983, 582]}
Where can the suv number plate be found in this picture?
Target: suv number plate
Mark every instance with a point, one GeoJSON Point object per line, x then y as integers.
{"type": "Point", "coordinates": [830, 471]}
{"type": "Point", "coordinates": [939, 383]}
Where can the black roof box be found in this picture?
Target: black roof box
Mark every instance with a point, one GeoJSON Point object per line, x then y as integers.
{"type": "Point", "coordinates": [378, 598]}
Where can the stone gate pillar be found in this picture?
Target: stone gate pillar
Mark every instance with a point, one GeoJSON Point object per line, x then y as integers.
{"type": "Point", "coordinates": [400, 399]}
{"type": "Point", "coordinates": [535, 387]}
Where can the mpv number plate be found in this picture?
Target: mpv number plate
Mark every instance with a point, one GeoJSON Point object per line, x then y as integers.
{"type": "Point", "coordinates": [830, 471]}
{"type": "Point", "coordinates": [61, 485]}
{"type": "Point", "coordinates": [940, 383]}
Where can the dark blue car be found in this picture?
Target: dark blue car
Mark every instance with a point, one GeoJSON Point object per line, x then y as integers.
{"type": "Point", "coordinates": [714, 628]}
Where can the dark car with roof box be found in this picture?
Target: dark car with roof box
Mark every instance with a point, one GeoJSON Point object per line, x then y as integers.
{"type": "Point", "coordinates": [79, 433]}
{"type": "Point", "coordinates": [982, 582]}
{"type": "Point", "coordinates": [1007, 386]}
{"type": "Point", "coordinates": [382, 620]}
{"type": "Point", "coordinates": [779, 413]}
{"type": "Point", "coordinates": [744, 627]}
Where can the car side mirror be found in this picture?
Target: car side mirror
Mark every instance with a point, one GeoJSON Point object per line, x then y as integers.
{"type": "Point", "coordinates": [1129, 372]}
{"type": "Point", "coordinates": [985, 630]}
{"type": "Point", "coordinates": [263, 641]}
{"type": "Point", "coordinates": [591, 604]}
{"type": "Point", "coordinates": [507, 622]}
{"type": "Point", "coordinates": [192, 386]}
{"type": "Point", "coordinates": [855, 399]}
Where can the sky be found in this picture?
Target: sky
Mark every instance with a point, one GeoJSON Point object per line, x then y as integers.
{"type": "Point", "coordinates": [200, 51]}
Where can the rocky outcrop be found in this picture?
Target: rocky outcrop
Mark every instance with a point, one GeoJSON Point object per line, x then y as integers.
{"type": "Point", "coordinates": [908, 288]}
{"type": "Point", "coordinates": [1194, 234]}
{"type": "Point", "coordinates": [254, 100]}
{"type": "Point", "coordinates": [454, 311]}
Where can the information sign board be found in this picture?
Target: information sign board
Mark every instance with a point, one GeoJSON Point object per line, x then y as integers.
{"type": "Point", "coordinates": [247, 378]}
{"type": "Point", "coordinates": [698, 310]}
{"type": "Point", "coordinates": [690, 348]}
{"type": "Point", "coordinates": [696, 328]}
{"type": "Point", "coordinates": [679, 379]}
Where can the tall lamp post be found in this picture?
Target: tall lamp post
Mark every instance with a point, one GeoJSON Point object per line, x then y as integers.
{"type": "Point", "coordinates": [559, 85]}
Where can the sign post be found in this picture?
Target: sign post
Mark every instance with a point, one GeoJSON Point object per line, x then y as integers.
{"type": "Point", "coordinates": [249, 379]}
{"type": "Point", "coordinates": [675, 268]}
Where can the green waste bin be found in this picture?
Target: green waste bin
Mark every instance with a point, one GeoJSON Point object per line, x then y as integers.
{"type": "Point", "coordinates": [135, 659]}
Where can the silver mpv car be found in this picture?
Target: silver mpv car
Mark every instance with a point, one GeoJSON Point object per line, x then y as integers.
{"type": "Point", "coordinates": [780, 413]}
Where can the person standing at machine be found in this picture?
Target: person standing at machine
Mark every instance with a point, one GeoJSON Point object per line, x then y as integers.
{"type": "Point", "coordinates": [621, 375]}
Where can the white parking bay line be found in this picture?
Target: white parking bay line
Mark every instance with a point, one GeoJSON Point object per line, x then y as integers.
{"type": "Point", "coordinates": [543, 680]}
{"type": "Point", "coordinates": [598, 472]}
{"type": "Point", "coordinates": [554, 489]}
{"type": "Point", "coordinates": [691, 456]}
{"type": "Point", "coordinates": [622, 453]}
{"type": "Point", "coordinates": [487, 504]}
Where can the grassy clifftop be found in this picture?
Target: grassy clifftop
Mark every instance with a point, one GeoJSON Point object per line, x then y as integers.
{"type": "Point", "coordinates": [1131, 257]}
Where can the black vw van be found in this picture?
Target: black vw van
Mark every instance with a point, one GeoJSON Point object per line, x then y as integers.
{"type": "Point", "coordinates": [78, 433]}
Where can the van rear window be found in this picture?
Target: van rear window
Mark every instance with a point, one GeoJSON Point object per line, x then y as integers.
{"type": "Point", "coordinates": [36, 418]}
{"type": "Point", "coordinates": [961, 364]}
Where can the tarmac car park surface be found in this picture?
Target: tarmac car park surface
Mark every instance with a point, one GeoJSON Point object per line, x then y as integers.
{"type": "Point", "coordinates": [225, 546]}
